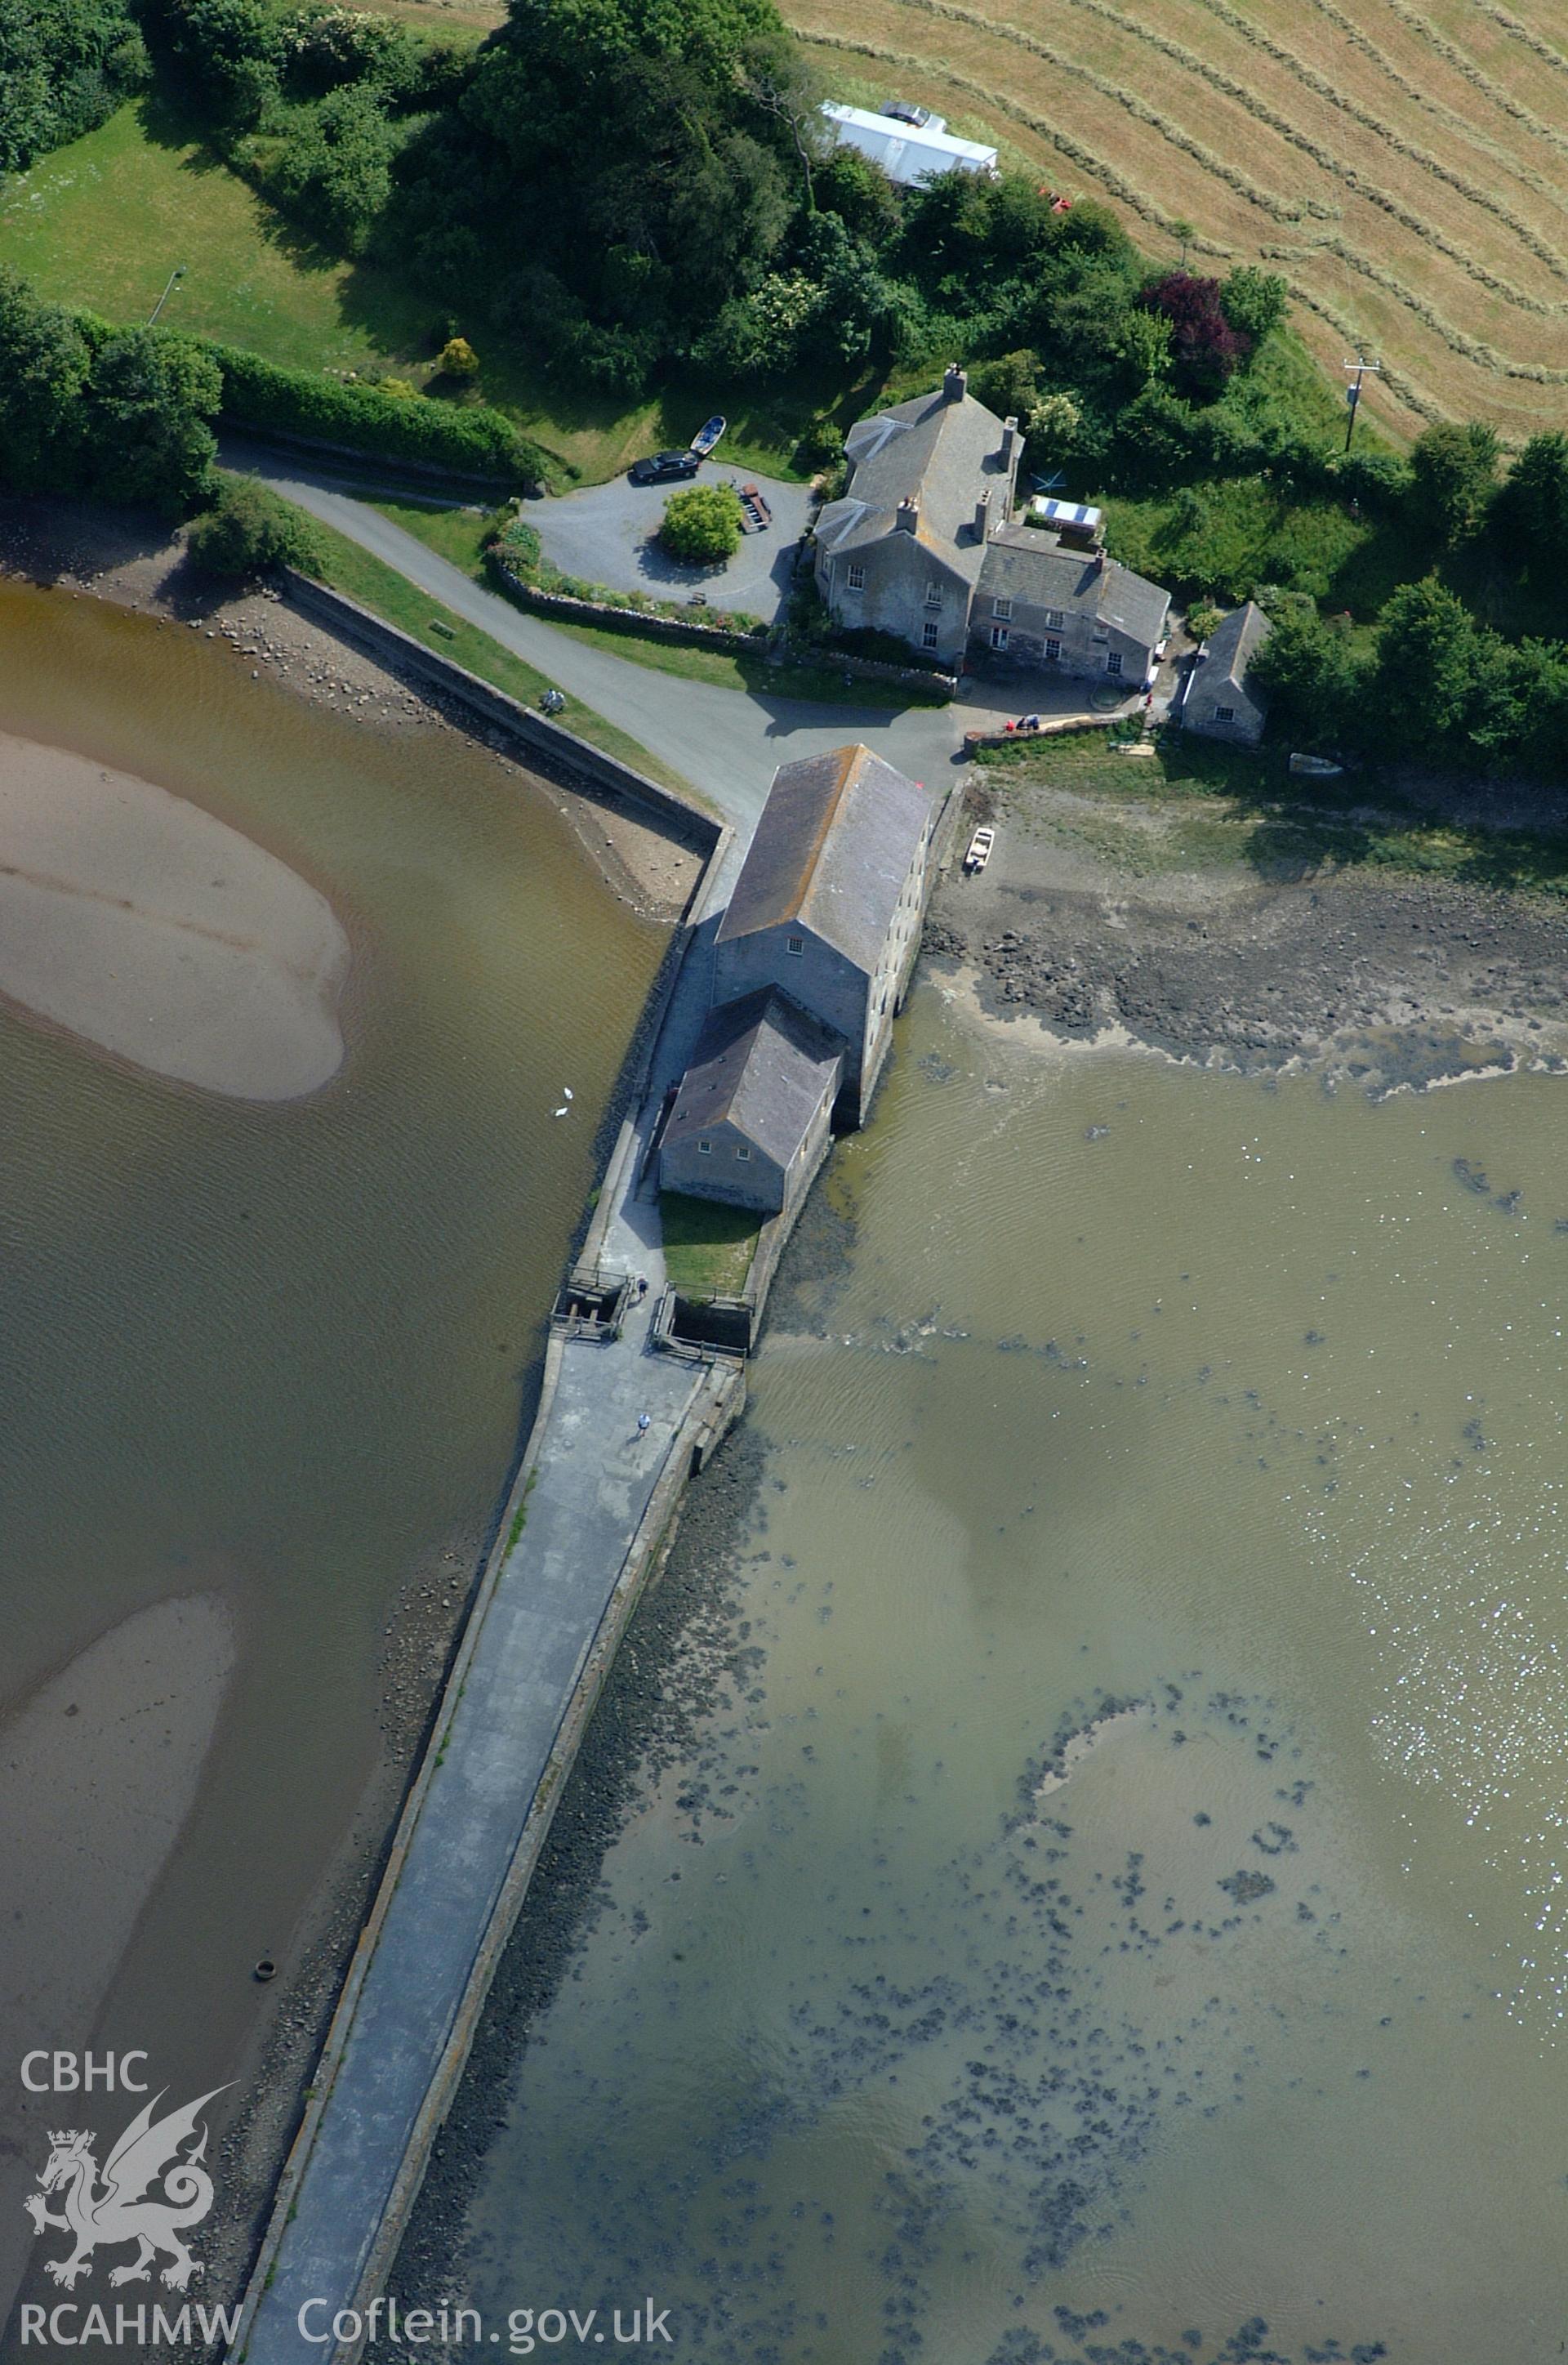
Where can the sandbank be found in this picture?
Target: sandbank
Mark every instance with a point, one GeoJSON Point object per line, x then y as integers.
{"type": "Point", "coordinates": [99, 1772]}
{"type": "Point", "coordinates": [151, 928]}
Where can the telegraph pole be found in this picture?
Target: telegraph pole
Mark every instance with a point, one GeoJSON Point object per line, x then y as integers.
{"type": "Point", "coordinates": [1353, 392]}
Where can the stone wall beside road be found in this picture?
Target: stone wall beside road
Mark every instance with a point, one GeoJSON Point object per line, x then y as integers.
{"type": "Point", "coordinates": [560, 748]}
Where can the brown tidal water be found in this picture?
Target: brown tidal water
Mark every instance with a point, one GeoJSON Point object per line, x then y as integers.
{"type": "Point", "coordinates": [1121, 1916]}
{"type": "Point", "coordinates": [267, 1360]}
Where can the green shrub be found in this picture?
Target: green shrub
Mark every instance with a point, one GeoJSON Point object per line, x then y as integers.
{"type": "Point", "coordinates": [328, 163]}
{"type": "Point", "coordinates": [821, 445]}
{"type": "Point", "coordinates": [118, 413]}
{"type": "Point", "coordinates": [472, 440]}
{"type": "Point", "coordinates": [519, 545]}
{"type": "Point", "coordinates": [702, 525]}
{"type": "Point", "coordinates": [327, 50]}
{"type": "Point", "coordinates": [249, 531]}
{"type": "Point", "coordinates": [1454, 472]}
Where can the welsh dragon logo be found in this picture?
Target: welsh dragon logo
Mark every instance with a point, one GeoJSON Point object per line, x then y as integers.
{"type": "Point", "coordinates": [126, 2205]}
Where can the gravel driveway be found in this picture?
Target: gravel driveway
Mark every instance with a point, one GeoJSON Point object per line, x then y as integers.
{"type": "Point", "coordinates": [606, 534]}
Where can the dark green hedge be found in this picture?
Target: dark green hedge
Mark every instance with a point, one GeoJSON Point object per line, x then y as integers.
{"type": "Point", "coordinates": [469, 439]}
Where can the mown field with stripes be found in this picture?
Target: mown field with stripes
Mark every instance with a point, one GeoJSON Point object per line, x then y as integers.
{"type": "Point", "coordinates": [1404, 167]}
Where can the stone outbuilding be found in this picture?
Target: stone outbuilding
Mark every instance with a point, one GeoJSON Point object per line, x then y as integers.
{"type": "Point", "coordinates": [752, 1121]}
{"type": "Point", "coordinates": [1221, 699]}
{"type": "Point", "coordinates": [923, 544]}
{"type": "Point", "coordinates": [828, 905]}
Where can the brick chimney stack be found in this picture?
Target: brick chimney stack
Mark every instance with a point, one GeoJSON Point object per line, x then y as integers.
{"type": "Point", "coordinates": [955, 383]}
{"type": "Point", "coordinates": [982, 514]}
{"type": "Point", "coordinates": [1008, 437]}
{"type": "Point", "coordinates": [907, 520]}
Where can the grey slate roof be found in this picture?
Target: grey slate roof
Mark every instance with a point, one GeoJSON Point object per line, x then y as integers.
{"type": "Point", "coordinates": [763, 1064]}
{"type": "Point", "coordinates": [943, 454]}
{"type": "Point", "coordinates": [1231, 646]}
{"type": "Point", "coordinates": [1022, 564]}
{"type": "Point", "coordinates": [833, 850]}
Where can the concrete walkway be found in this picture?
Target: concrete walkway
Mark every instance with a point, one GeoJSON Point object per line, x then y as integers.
{"type": "Point", "coordinates": [595, 1477]}
{"type": "Point", "coordinates": [412, 1996]}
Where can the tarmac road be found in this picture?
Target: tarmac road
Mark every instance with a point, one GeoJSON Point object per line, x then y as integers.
{"type": "Point", "coordinates": [727, 743]}
{"type": "Point", "coordinates": [606, 533]}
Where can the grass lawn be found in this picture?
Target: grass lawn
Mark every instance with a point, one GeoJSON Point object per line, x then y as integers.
{"type": "Point", "coordinates": [362, 576]}
{"type": "Point", "coordinates": [1234, 805]}
{"type": "Point", "coordinates": [708, 1249]}
{"type": "Point", "coordinates": [1222, 538]}
{"type": "Point", "coordinates": [103, 222]}
{"type": "Point", "coordinates": [459, 535]}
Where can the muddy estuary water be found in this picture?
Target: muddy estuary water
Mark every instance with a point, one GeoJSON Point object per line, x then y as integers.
{"type": "Point", "coordinates": [1118, 1896]}
{"type": "Point", "coordinates": [288, 1005]}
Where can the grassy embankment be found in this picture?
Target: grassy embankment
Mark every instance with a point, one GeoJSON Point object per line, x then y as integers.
{"type": "Point", "coordinates": [459, 535]}
{"type": "Point", "coordinates": [360, 575]}
{"type": "Point", "coordinates": [1187, 806]}
{"type": "Point", "coordinates": [708, 1249]}
{"type": "Point", "coordinates": [103, 222]}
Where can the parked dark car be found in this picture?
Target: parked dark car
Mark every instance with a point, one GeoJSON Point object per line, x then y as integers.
{"type": "Point", "coordinates": [664, 467]}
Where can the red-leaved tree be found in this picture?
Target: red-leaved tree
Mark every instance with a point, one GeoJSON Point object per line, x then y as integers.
{"type": "Point", "coordinates": [1204, 348]}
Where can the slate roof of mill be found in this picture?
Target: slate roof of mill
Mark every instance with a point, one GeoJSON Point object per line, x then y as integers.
{"type": "Point", "coordinates": [762, 1064]}
{"type": "Point", "coordinates": [833, 850]}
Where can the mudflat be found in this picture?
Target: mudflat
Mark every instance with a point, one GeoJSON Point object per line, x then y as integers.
{"type": "Point", "coordinates": [153, 930]}
{"type": "Point", "coordinates": [1174, 925]}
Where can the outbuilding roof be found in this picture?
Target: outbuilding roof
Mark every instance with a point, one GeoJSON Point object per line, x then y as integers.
{"type": "Point", "coordinates": [1022, 564]}
{"type": "Point", "coordinates": [761, 1065]}
{"type": "Point", "coordinates": [1231, 646]}
{"type": "Point", "coordinates": [833, 850]}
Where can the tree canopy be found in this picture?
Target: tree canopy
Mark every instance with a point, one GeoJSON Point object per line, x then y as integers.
{"type": "Point", "coordinates": [66, 65]}
{"type": "Point", "coordinates": [248, 530]}
{"type": "Point", "coordinates": [614, 172]}
{"type": "Point", "coordinates": [1455, 473]}
{"type": "Point", "coordinates": [85, 408]}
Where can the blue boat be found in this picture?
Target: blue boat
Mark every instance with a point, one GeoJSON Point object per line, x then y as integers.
{"type": "Point", "coordinates": [702, 443]}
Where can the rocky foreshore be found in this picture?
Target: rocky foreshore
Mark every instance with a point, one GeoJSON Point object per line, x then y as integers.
{"type": "Point", "coordinates": [1392, 978]}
